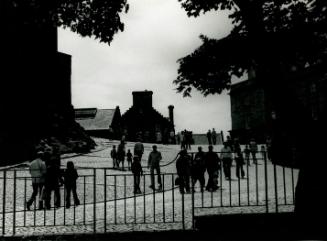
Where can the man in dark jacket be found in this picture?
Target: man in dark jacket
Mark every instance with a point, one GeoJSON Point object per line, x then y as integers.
{"type": "Point", "coordinates": [213, 165]}
{"type": "Point", "coordinates": [198, 169]}
{"type": "Point", "coordinates": [183, 171]}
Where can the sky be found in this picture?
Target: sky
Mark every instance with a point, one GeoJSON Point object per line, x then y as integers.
{"type": "Point", "coordinates": [144, 57]}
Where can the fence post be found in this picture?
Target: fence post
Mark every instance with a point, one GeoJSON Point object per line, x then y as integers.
{"type": "Point", "coordinates": [183, 209]}
{"type": "Point", "coordinates": [4, 202]}
{"type": "Point", "coordinates": [94, 200]}
{"type": "Point", "coordinates": [193, 208]}
{"type": "Point", "coordinates": [105, 200]}
{"type": "Point", "coordinates": [14, 204]}
{"type": "Point", "coordinates": [276, 188]}
{"type": "Point", "coordinates": [266, 180]}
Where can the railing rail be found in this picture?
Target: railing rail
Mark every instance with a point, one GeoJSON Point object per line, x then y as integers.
{"type": "Point", "coordinates": [108, 200]}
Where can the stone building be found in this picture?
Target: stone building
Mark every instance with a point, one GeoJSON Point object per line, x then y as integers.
{"type": "Point", "coordinates": [254, 115]}
{"type": "Point", "coordinates": [105, 123]}
{"type": "Point", "coordinates": [142, 121]}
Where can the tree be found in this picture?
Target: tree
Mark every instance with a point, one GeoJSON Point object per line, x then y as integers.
{"type": "Point", "coordinates": [98, 18]}
{"type": "Point", "coordinates": [274, 38]}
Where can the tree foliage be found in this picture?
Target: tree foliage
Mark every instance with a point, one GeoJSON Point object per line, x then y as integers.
{"type": "Point", "coordinates": [267, 36]}
{"type": "Point", "coordinates": [98, 18]}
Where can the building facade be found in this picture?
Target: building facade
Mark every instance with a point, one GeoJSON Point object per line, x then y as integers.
{"type": "Point", "coordinates": [143, 122]}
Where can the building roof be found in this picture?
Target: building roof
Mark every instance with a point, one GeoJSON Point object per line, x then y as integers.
{"type": "Point", "coordinates": [94, 119]}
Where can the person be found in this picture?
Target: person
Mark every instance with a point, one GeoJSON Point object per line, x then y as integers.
{"type": "Point", "coordinates": [52, 183]}
{"type": "Point", "coordinates": [129, 157]}
{"type": "Point", "coordinates": [263, 151]}
{"type": "Point", "coordinates": [158, 137]}
{"type": "Point", "coordinates": [227, 158]}
{"type": "Point", "coordinates": [183, 139]}
{"type": "Point", "coordinates": [198, 169]}
{"type": "Point", "coordinates": [268, 144]}
{"type": "Point", "coordinates": [239, 160]}
{"type": "Point", "coordinates": [37, 170]}
{"type": "Point", "coordinates": [247, 154]}
{"type": "Point", "coordinates": [183, 171]}
{"type": "Point", "coordinates": [113, 155]}
{"type": "Point", "coordinates": [253, 149]}
{"type": "Point", "coordinates": [70, 177]}
{"type": "Point", "coordinates": [230, 142]}
{"type": "Point", "coordinates": [214, 136]}
{"type": "Point", "coordinates": [212, 165]}
{"type": "Point", "coordinates": [139, 149]}
{"type": "Point", "coordinates": [178, 137]}
{"type": "Point", "coordinates": [209, 137]}
{"type": "Point", "coordinates": [137, 172]}
{"type": "Point", "coordinates": [154, 165]}
{"type": "Point", "coordinates": [55, 159]}
{"type": "Point", "coordinates": [121, 155]}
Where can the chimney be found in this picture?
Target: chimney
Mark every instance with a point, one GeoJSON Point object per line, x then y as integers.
{"type": "Point", "coordinates": [171, 114]}
{"type": "Point", "coordinates": [142, 99]}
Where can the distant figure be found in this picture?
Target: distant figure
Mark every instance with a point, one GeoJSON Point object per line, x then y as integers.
{"type": "Point", "coordinates": [37, 170]}
{"type": "Point", "coordinates": [198, 169]}
{"type": "Point", "coordinates": [239, 160]}
{"type": "Point", "coordinates": [183, 139]}
{"type": "Point", "coordinates": [129, 157]}
{"type": "Point", "coordinates": [154, 165]}
{"type": "Point", "coordinates": [227, 158]}
{"type": "Point", "coordinates": [158, 137]}
{"type": "Point", "coordinates": [139, 149]}
{"type": "Point", "coordinates": [212, 165]}
{"type": "Point", "coordinates": [268, 143]}
{"type": "Point", "coordinates": [70, 177]}
{"type": "Point", "coordinates": [113, 155]}
{"type": "Point", "coordinates": [137, 172]}
{"type": "Point", "coordinates": [253, 149]}
{"type": "Point", "coordinates": [121, 155]}
{"type": "Point", "coordinates": [247, 154]}
{"type": "Point", "coordinates": [183, 171]}
{"type": "Point", "coordinates": [263, 151]}
{"type": "Point", "coordinates": [209, 137]}
{"type": "Point", "coordinates": [214, 136]}
{"type": "Point", "coordinates": [230, 143]}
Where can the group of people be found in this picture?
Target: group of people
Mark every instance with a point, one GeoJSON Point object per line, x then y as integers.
{"type": "Point", "coordinates": [212, 137]}
{"type": "Point", "coordinates": [47, 177]}
{"type": "Point", "coordinates": [193, 169]}
{"type": "Point", "coordinates": [185, 139]}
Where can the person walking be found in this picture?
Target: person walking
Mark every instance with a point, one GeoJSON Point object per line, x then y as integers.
{"type": "Point", "coordinates": [37, 170]}
{"type": "Point", "coordinates": [212, 165]}
{"type": "Point", "coordinates": [227, 158]}
{"type": "Point", "coordinates": [129, 158]}
{"type": "Point", "coordinates": [139, 150]}
{"type": "Point", "coordinates": [52, 183]}
{"type": "Point", "coordinates": [113, 155]}
{"type": "Point", "coordinates": [154, 165]}
{"type": "Point", "coordinates": [247, 154]}
{"type": "Point", "coordinates": [198, 169]}
{"type": "Point", "coordinates": [239, 160]}
{"type": "Point", "coordinates": [214, 136]}
{"type": "Point", "coordinates": [209, 136]}
{"type": "Point", "coordinates": [183, 171]}
{"type": "Point", "coordinates": [70, 177]}
{"type": "Point", "coordinates": [137, 172]}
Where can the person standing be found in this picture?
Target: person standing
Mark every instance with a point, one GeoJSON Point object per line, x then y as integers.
{"type": "Point", "coordinates": [198, 169]}
{"type": "Point", "coordinates": [129, 157]}
{"type": "Point", "coordinates": [183, 171]}
{"type": "Point", "coordinates": [253, 149]}
{"type": "Point", "coordinates": [226, 157]}
{"type": "Point", "coordinates": [212, 165]}
{"type": "Point", "coordinates": [154, 165]}
{"type": "Point", "coordinates": [121, 154]}
{"type": "Point", "coordinates": [139, 149]}
{"type": "Point", "coordinates": [214, 136]}
{"type": "Point", "coordinates": [113, 155]}
{"type": "Point", "coordinates": [37, 170]}
{"type": "Point", "coordinates": [239, 160]}
{"type": "Point", "coordinates": [52, 183]}
{"type": "Point", "coordinates": [247, 154]}
{"type": "Point", "coordinates": [137, 172]}
{"type": "Point", "coordinates": [70, 177]}
{"type": "Point", "coordinates": [209, 137]}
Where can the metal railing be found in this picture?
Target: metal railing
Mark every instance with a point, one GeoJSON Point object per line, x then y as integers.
{"type": "Point", "coordinates": [108, 200]}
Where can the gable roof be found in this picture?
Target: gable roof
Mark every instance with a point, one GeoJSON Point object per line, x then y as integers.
{"type": "Point", "coordinates": [94, 119]}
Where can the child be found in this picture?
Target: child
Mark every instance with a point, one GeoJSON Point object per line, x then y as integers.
{"type": "Point", "coordinates": [113, 155]}
{"type": "Point", "coordinates": [129, 159]}
{"type": "Point", "coordinates": [70, 177]}
{"type": "Point", "coordinates": [137, 171]}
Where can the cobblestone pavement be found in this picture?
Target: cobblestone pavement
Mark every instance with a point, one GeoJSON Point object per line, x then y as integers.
{"type": "Point", "coordinates": [121, 211]}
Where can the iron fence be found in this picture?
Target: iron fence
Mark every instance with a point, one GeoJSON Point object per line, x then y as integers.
{"type": "Point", "coordinates": [108, 200]}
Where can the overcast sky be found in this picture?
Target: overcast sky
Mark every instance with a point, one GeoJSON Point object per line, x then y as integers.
{"type": "Point", "coordinates": [143, 57]}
